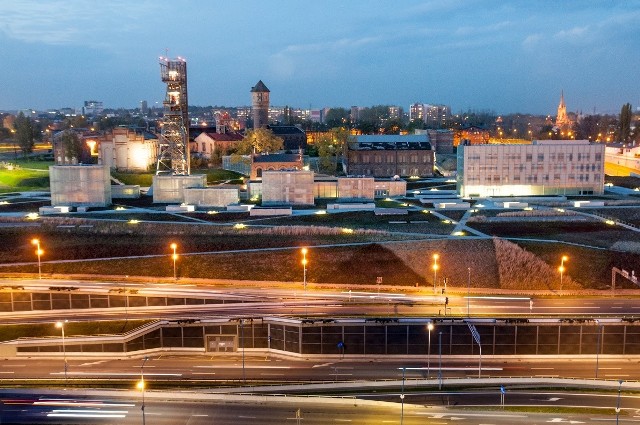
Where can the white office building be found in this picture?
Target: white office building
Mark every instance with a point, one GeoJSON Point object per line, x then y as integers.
{"type": "Point", "coordinates": [544, 167]}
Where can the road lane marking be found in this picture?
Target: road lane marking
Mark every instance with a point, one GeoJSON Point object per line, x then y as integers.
{"type": "Point", "coordinates": [248, 417]}
{"type": "Point", "coordinates": [321, 365]}
{"type": "Point", "coordinates": [468, 368]}
{"type": "Point", "coordinates": [92, 363]}
{"type": "Point", "coordinates": [114, 374]}
{"type": "Point", "coordinates": [249, 367]}
{"type": "Point", "coordinates": [471, 415]}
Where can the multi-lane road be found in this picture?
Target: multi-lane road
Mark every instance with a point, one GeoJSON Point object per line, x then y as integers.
{"type": "Point", "coordinates": [295, 301]}
{"type": "Point", "coordinates": [81, 407]}
{"type": "Point", "coordinates": [231, 369]}
{"type": "Point", "coordinates": [424, 404]}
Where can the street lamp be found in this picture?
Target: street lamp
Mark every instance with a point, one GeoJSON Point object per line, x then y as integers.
{"type": "Point", "coordinates": [429, 328]}
{"type": "Point", "coordinates": [468, 291]}
{"type": "Point", "coordinates": [439, 360]}
{"type": "Point", "coordinates": [435, 271]}
{"type": "Point", "coordinates": [60, 325]}
{"type": "Point", "coordinates": [598, 346]}
{"type": "Point", "coordinates": [304, 267]}
{"type": "Point", "coordinates": [39, 253]}
{"type": "Point", "coordinates": [141, 386]}
{"type": "Point", "coordinates": [402, 398]}
{"type": "Point", "coordinates": [618, 404]}
{"type": "Point", "coordinates": [174, 257]}
{"type": "Point", "coordinates": [562, 269]}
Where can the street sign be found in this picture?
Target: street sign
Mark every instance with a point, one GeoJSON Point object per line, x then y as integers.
{"type": "Point", "coordinates": [379, 280]}
{"type": "Point", "coordinates": [474, 332]}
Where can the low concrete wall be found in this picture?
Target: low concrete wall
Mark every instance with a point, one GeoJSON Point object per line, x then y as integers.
{"type": "Point", "coordinates": [219, 197]}
{"type": "Point", "coordinates": [180, 208]}
{"type": "Point", "coordinates": [170, 189]}
{"type": "Point", "coordinates": [369, 206]}
{"type": "Point", "coordinates": [125, 191]}
{"type": "Point", "coordinates": [270, 211]}
{"type": "Point", "coordinates": [511, 204]}
{"type": "Point", "coordinates": [579, 204]}
{"type": "Point", "coordinates": [452, 205]}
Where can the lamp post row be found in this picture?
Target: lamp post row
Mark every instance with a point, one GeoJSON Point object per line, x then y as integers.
{"type": "Point", "coordinates": [39, 252]}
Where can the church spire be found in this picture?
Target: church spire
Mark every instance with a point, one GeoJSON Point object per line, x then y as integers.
{"type": "Point", "coordinates": [562, 120]}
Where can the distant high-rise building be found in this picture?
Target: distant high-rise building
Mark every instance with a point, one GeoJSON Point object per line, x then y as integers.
{"type": "Point", "coordinates": [92, 107]}
{"type": "Point", "coordinates": [431, 115]}
{"type": "Point", "coordinates": [316, 115]}
{"type": "Point", "coordinates": [562, 120]}
{"type": "Point", "coordinates": [260, 105]}
{"type": "Point", "coordinates": [416, 111]}
{"type": "Point", "coordinates": [355, 114]}
{"type": "Point", "coordinates": [144, 108]}
{"type": "Point", "coordinates": [395, 112]}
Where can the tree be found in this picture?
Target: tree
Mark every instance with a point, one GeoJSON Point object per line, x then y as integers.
{"type": "Point", "coordinates": [260, 140]}
{"type": "Point", "coordinates": [413, 125]}
{"type": "Point", "coordinates": [326, 153]}
{"type": "Point", "coordinates": [5, 133]}
{"type": "Point", "coordinates": [27, 133]}
{"type": "Point", "coordinates": [624, 124]}
{"type": "Point", "coordinates": [72, 145]}
{"type": "Point", "coordinates": [587, 127]}
{"type": "Point", "coordinates": [370, 120]}
{"type": "Point", "coordinates": [337, 117]}
{"type": "Point", "coordinates": [392, 126]}
{"type": "Point", "coordinates": [330, 147]}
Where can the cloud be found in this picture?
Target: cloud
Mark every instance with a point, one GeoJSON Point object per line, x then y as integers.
{"type": "Point", "coordinates": [532, 39]}
{"type": "Point", "coordinates": [575, 34]}
{"type": "Point", "coordinates": [311, 58]}
{"type": "Point", "coordinates": [434, 6]}
{"type": "Point", "coordinates": [68, 22]}
{"type": "Point", "coordinates": [329, 46]}
{"type": "Point", "coordinates": [487, 29]}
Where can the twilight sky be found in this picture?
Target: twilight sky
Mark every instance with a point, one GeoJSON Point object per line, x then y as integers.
{"type": "Point", "coordinates": [506, 56]}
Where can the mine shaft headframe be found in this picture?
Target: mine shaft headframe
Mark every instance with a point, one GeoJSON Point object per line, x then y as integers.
{"type": "Point", "coordinates": [173, 155]}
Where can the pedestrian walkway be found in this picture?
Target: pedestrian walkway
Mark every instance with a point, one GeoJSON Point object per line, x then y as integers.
{"type": "Point", "coordinates": [461, 226]}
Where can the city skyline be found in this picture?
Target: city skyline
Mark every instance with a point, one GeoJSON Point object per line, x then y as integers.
{"type": "Point", "coordinates": [482, 55]}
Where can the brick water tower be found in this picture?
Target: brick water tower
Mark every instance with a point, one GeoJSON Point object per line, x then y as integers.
{"type": "Point", "coordinates": [260, 105]}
